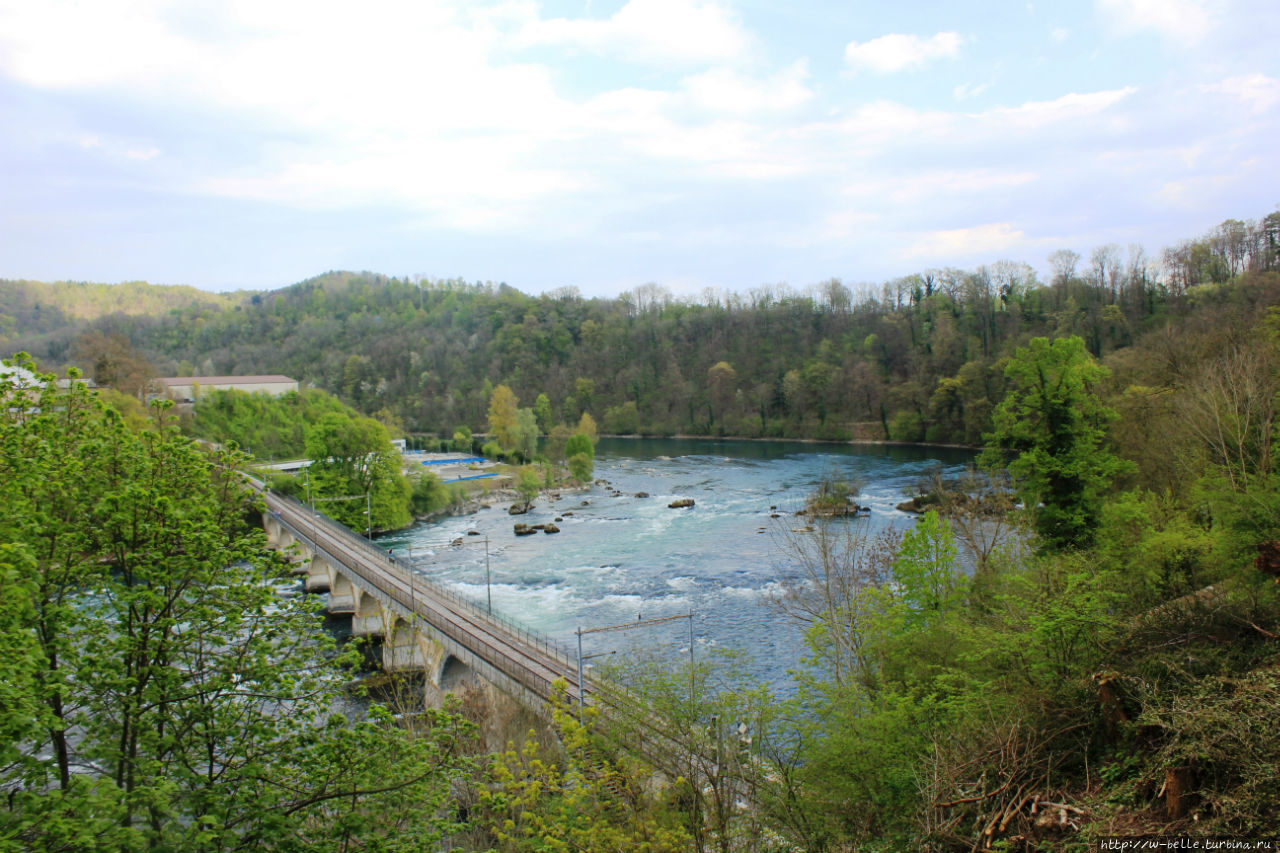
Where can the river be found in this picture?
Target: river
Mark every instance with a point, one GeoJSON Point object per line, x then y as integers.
{"type": "Point", "coordinates": [620, 559]}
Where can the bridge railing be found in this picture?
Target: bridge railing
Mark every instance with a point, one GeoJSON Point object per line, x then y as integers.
{"type": "Point", "coordinates": [460, 634]}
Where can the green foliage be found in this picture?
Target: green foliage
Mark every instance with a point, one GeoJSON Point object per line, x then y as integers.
{"type": "Point", "coordinates": [525, 435]}
{"type": "Point", "coordinates": [1166, 552]}
{"type": "Point", "coordinates": [1051, 432]}
{"type": "Point", "coordinates": [272, 427]}
{"type": "Point", "coordinates": [623, 419]}
{"type": "Point", "coordinates": [158, 694]}
{"type": "Point", "coordinates": [21, 656]}
{"type": "Point", "coordinates": [461, 440]}
{"type": "Point", "coordinates": [430, 495]}
{"type": "Point", "coordinates": [581, 467]}
{"type": "Point", "coordinates": [907, 426]}
{"type": "Point", "coordinates": [804, 363]}
{"type": "Point", "coordinates": [542, 413]}
{"type": "Point", "coordinates": [592, 797]}
{"type": "Point", "coordinates": [529, 482]}
{"type": "Point", "coordinates": [580, 444]}
{"type": "Point", "coordinates": [925, 571]}
{"type": "Point", "coordinates": [502, 417]}
{"type": "Point", "coordinates": [353, 456]}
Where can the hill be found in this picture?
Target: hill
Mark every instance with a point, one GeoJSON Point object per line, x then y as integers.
{"type": "Point", "coordinates": [916, 358]}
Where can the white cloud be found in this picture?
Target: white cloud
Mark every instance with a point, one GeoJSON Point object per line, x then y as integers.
{"type": "Point", "coordinates": [978, 240]}
{"type": "Point", "coordinates": [901, 52]}
{"type": "Point", "coordinates": [669, 126]}
{"type": "Point", "coordinates": [967, 90]}
{"type": "Point", "coordinates": [1070, 107]}
{"type": "Point", "coordinates": [724, 90]}
{"type": "Point", "coordinates": [650, 31]}
{"type": "Point", "coordinates": [886, 126]}
{"type": "Point", "coordinates": [1258, 91]}
{"type": "Point", "coordinates": [1059, 34]}
{"type": "Point", "coordinates": [1182, 21]}
{"type": "Point", "coordinates": [922, 185]}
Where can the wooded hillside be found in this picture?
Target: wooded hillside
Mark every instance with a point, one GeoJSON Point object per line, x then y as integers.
{"type": "Point", "coordinates": [916, 358]}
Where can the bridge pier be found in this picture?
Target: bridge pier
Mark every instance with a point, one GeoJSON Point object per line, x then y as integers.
{"type": "Point", "coordinates": [452, 675]}
{"type": "Point", "coordinates": [342, 593]}
{"type": "Point", "coordinates": [367, 619]}
{"type": "Point", "coordinates": [379, 596]}
{"type": "Point", "coordinates": [405, 647]}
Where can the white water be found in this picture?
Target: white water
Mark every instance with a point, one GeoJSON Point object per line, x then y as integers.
{"type": "Point", "coordinates": [618, 559]}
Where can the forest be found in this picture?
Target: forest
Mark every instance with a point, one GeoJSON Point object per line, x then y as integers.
{"type": "Point", "coordinates": [1080, 639]}
{"type": "Point", "coordinates": [918, 358]}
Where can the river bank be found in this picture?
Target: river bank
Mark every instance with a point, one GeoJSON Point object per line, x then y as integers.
{"type": "Point", "coordinates": [852, 442]}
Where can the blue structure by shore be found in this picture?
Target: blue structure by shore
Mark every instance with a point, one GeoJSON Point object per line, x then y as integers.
{"type": "Point", "coordinates": [464, 461]}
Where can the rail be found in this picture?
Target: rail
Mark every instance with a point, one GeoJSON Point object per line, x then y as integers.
{"type": "Point", "coordinates": [527, 657]}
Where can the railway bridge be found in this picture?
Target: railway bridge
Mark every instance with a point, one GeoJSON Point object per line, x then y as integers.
{"type": "Point", "coordinates": [423, 625]}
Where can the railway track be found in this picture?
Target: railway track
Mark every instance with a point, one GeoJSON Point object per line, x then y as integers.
{"type": "Point", "coordinates": [528, 658]}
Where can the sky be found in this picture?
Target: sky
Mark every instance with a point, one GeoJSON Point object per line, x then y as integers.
{"type": "Point", "coordinates": [601, 145]}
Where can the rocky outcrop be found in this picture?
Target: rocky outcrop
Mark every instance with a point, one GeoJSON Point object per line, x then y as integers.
{"type": "Point", "coordinates": [523, 529]}
{"type": "Point", "coordinates": [681, 503]}
{"type": "Point", "coordinates": [846, 511]}
{"type": "Point", "coordinates": [550, 528]}
{"type": "Point", "coordinates": [918, 504]}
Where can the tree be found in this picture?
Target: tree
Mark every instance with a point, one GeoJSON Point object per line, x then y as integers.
{"type": "Point", "coordinates": [542, 412]}
{"type": "Point", "coordinates": [623, 419]}
{"type": "Point", "coordinates": [587, 427]}
{"type": "Point", "coordinates": [586, 796]}
{"type": "Point", "coordinates": [192, 701]}
{"type": "Point", "coordinates": [581, 467]}
{"type": "Point", "coordinates": [353, 456]}
{"type": "Point", "coordinates": [580, 453]}
{"type": "Point", "coordinates": [834, 596]}
{"type": "Point", "coordinates": [529, 483]}
{"type": "Point", "coordinates": [502, 416]}
{"type": "Point", "coordinates": [924, 570]}
{"type": "Point", "coordinates": [557, 441]}
{"type": "Point", "coordinates": [1063, 262]}
{"type": "Point", "coordinates": [1050, 432]}
{"type": "Point", "coordinates": [461, 442]}
{"type": "Point", "coordinates": [584, 390]}
{"type": "Point", "coordinates": [525, 435]}
{"type": "Point", "coordinates": [721, 378]}
{"type": "Point", "coordinates": [579, 443]}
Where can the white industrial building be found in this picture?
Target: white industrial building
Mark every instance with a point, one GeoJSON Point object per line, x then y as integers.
{"type": "Point", "coordinates": [188, 388]}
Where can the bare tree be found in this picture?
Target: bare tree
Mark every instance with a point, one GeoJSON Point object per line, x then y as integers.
{"type": "Point", "coordinates": [1063, 263]}
{"type": "Point", "coordinates": [1231, 408]}
{"type": "Point", "coordinates": [1105, 269]}
{"type": "Point", "coordinates": [980, 508]}
{"type": "Point", "coordinates": [829, 582]}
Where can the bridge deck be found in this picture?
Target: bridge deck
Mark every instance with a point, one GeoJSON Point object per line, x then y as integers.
{"type": "Point", "coordinates": [525, 657]}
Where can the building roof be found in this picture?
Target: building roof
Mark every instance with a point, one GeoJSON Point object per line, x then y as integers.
{"type": "Point", "coordinates": [22, 377]}
{"type": "Point", "coordinates": [224, 380]}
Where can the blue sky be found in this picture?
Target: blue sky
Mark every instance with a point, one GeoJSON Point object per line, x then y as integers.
{"type": "Point", "coordinates": [604, 145]}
